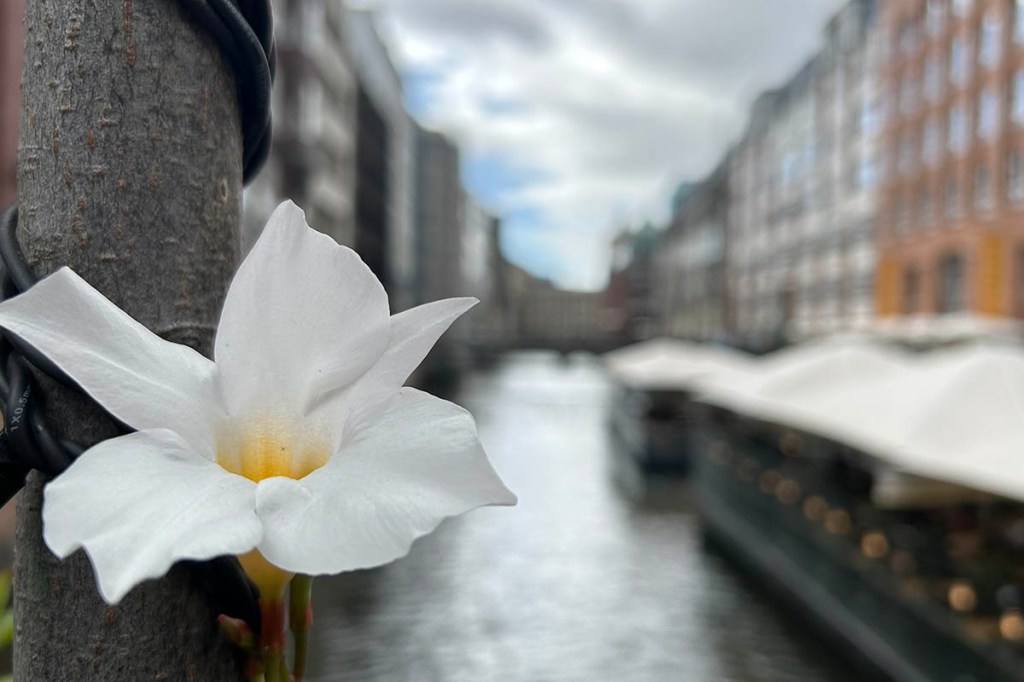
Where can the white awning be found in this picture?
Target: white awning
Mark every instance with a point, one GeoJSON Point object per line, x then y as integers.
{"type": "Point", "coordinates": [673, 365]}
{"type": "Point", "coordinates": [954, 415]}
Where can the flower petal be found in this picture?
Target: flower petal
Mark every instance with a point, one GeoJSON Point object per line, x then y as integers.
{"type": "Point", "coordinates": [413, 333]}
{"type": "Point", "coordinates": [301, 309]}
{"type": "Point", "coordinates": [141, 502]}
{"type": "Point", "coordinates": [396, 481]}
{"type": "Point", "coordinates": [141, 379]}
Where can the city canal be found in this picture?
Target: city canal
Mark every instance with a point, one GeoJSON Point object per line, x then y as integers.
{"type": "Point", "coordinates": [577, 583]}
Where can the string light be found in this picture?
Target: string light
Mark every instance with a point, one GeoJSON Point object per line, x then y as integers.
{"type": "Point", "coordinates": [769, 479]}
{"type": "Point", "coordinates": [837, 522]}
{"type": "Point", "coordinates": [815, 508]}
{"type": "Point", "coordinates": [874, 545]}
{"type": "Point", "coordinates": [1011, 626]}
{"type": "Point", "coordinates": [961, 597]}
{"type": "Point", "coordinates": [788, 491]}
{"type": "Point", "coordinates": [790, 444]}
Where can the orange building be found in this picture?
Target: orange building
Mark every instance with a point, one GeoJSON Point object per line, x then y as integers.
{"type": "Point", "coordinates": [951, 217]}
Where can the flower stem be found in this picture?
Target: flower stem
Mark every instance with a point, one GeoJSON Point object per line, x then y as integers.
{"type": "Point", "coordinates": [272, 637]}
{"type": "Point", "coordinates": [300, 620]}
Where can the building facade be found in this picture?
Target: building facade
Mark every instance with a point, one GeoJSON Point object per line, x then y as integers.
{"type": "Point", "coordinates": [313, 154]}
{"type": "Point", "coordinates": [775, 188]}
{"type": "Point", "coordinates": [837, 261]}
{"type": "Point", "coordinates": [803, 187]}
{"type": "Point", "coordinates": [439, 208]}
{"type": "Point", "coordinates": [481, 271]}
{"type": "Point", "coordinates": [437, 248]}
{"type": "Point", "coordinates": [691, 262]}
{"type": "Point", "coordinates": [549, 317]}
{"type": "Point", "coordinates": [748, 213]}
{"type": "Point", "coordinates": [951, 224]}
{"type": "Point", "coordinates": [386, 165]}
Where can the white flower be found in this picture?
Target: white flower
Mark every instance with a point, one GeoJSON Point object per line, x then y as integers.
{"type": "Point", "coordinates": [299, 441]}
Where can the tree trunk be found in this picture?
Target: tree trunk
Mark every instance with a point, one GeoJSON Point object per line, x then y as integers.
{"type": "Point", "coordinates": [129, 171]}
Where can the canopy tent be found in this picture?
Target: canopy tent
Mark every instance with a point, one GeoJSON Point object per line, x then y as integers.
{"type": "Point", "coordinates": [673, 365]}
{"type": "Point", "coordinates": [783, 383]}
{"type": "Point", "coordinates": [964, 420]}
{"type": "Point", "coordinates": [954, 415]}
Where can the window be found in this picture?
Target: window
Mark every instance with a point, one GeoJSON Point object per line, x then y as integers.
{"type": "Point", "coordinates": [983, 200]}
{"type": "Point", "coordinates": [871, 118]}
{"type": "Point", "coordinates": [924, 210]}
{"type": "Point", "coordinates": [1018, 21]}
{"type": "Point", "coordinates": [957, 61]}
{"type": "Point", "coordinates": [953, 206]}
{"type": "Point", "coordinates": [907, 158]}
{"type": "Point", "coordinates": [957, 128]}
{"type": "Point", "coordinates": [962, 8]}
{"type": "Point", "coordinates": [311, 104]}
{"type": "Point", "coordinates": [1015, 177]}
{"type": "Point", "coordinates": [988, 113]}
{"type": "Point", "coordinates": [935, 16]}
{"type": "Point", "coordinates": [888, 45]}
{"type": "Point", "coordinates": [908, 37]}
{"type": "Point", "coordinates": [908, 98]}
{"type": "Point", "coordinates": [313, 21]}
{"type": "Point", "coordinates": [903, 216]}
{"type": "Point", "coordinates": [911, 290]}
{"type": "Point", "coordinates": [988, 40]}
{"type": "Point", "coordinates": [951, 284]}
{"type": "Point", "coordinates": [867, 173]}
{"type": "Point", "coordinates": [932, 78]}
{"type": "Point", "coordinates": [1017, 109]}
{"type": "Point", "coordinates": [932, 142]}
{"type": "Point", "coordinates": [789, 168]}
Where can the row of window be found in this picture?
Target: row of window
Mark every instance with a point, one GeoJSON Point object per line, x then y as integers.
{"type": "Point", "coordinates": [952, 200]}
{"type": "Point", "coordinates": [931, 87]}
{"type": "Point", "coordinates": [987, 119]}
{"type": "Point", "coordinates": [958, 61]}
{"type": "Point", "coordinates": [936, 13]}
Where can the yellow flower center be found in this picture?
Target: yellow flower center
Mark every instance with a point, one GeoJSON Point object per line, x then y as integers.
{"type": "Point", "coordinates": [267, 446]}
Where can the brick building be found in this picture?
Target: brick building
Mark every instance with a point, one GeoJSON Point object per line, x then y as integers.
{"type": "Point", "coordinates": [951, 222]}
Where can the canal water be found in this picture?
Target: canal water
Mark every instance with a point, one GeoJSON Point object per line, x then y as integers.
{"type": "Point", "coordinates": [580, 582]}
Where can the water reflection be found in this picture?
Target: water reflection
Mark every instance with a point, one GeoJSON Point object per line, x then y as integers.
{"type": "Point", "coordinates": [576, 583]}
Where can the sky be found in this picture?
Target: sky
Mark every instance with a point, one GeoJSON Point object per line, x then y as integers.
{"type": "Point", "coordinates": [577, 118]}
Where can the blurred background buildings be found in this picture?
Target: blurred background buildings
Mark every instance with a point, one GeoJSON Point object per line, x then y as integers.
{"type": "Point", "coordinates": [883, 181]}
{"type": "Point", "coordinates": [884, 178]}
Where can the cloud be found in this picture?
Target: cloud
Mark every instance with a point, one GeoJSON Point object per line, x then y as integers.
{"type": "Point", "coordinates": [603, 106]}
{"type": "Point", "coordinates": [479, 22]}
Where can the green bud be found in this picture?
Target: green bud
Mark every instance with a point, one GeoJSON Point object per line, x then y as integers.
{"type": "Point", "coordinates": [238, 632]}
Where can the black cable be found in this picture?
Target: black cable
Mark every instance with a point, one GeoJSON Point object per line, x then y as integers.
{"type": "Point", "coordinates": [21, 275]}
{"type": "Point", "coordinates": [17, 407]}
{"type": "Point", "coordinates": [21, 279]}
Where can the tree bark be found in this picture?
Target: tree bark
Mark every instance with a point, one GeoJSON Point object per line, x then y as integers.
{"type": "Point", "coordinates": [129, 171]}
